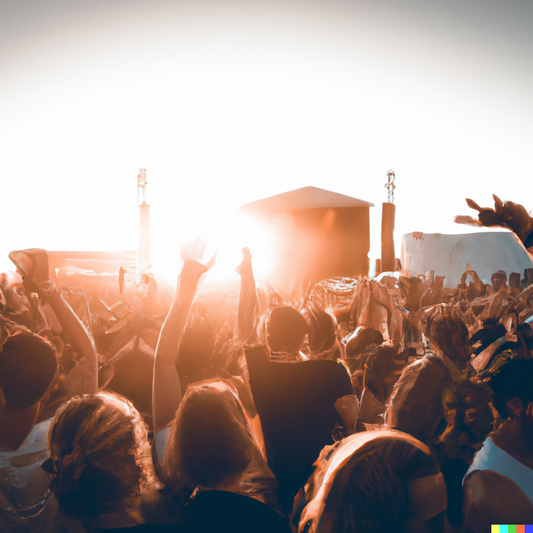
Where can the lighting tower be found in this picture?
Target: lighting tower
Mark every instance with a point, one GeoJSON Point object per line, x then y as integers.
{"type": "Point", "coordinates": [387, 226]}
{"type": "Point", "coordinates": [390, 186]}
{"type": "Point", "coordinates": [143, 256]}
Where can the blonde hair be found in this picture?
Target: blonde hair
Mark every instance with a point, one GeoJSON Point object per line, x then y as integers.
{"type": "Point", "coordinates": [100, 455]}
{"type": "Point", "coordinates": [211, 444]}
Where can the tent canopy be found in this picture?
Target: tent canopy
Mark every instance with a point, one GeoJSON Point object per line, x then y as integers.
{"type": "Point", "coordinates": [315, 234]}
{"type": "Point", "coordinates": [304, 198]}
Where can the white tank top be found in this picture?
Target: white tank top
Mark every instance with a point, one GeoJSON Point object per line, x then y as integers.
{"type": "Point", "coordinates": [23, 483]}
{"type": "Point", "coordinates": [490, 457]}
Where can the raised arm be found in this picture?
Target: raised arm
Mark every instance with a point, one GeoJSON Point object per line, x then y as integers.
{"type": "Point", "coordinates": [166, 392]}
{"type": "Point", "coordinates": [33, 263]}
{"type": "Point", "coordinates": [248, 303]}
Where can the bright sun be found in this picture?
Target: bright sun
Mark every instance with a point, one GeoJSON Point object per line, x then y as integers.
{"type": "Point", "coordinates": [227, 238]}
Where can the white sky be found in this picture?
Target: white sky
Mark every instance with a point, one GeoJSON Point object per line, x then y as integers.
{"type": "Point", "coordinates": [226, 102]}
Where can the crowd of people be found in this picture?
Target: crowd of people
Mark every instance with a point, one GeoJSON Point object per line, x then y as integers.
{"type": "Point", "coordinates": [370, 405]}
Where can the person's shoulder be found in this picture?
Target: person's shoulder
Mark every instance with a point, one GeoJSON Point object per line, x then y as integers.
{"type": "Point", "coordinates": [492, 498]}
{"type": "Point", "coordinates": [427, 369]}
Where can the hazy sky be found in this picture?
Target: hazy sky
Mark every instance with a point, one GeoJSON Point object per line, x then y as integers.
{"type": "Point", "coordinates": [228, 102]}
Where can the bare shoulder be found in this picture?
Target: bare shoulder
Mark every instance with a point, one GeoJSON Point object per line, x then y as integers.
{"type": "Point", "coordinates": [492, 498]}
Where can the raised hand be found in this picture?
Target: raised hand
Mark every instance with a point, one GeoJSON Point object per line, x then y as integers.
{"type": "Point", "coordinates": [33, 264]}
{"type": "Point", "coordinates": [504, 215]}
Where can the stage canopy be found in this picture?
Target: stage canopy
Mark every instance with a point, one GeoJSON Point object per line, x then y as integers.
{"type": "Point", "coordinates": [318, 234]}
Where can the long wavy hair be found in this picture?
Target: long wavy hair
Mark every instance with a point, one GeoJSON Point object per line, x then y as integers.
{"type": "Point", "coordinates": [100, 456]}
{"type": "Point", "coordinates": [212, 444]}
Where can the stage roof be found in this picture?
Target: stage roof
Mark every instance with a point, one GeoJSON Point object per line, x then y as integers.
{"type": "Point", "coordinates": [304, 198]}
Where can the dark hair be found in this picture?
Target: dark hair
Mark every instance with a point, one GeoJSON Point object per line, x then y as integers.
{"type": "Point", "coordinates": [286, 329]}
{"type": "Point", "coordinates": [445, 329]}
{"type": "Point", "coordinates": [469, 419]}
{"type": "Point", "coordinates": [514, 379]}
{"type": "Point", "coordinates": [27, 366]}
{"type": "Point", "coordinates": [361, 340]}
{"type": "Point", "coordinates": [99, 453]}
{"type": "Point", "coordinates": [378, 367]}
{"type": "Point", "coordinates": [322, 328]}
{"type": "Point", "coordinates": [371, 492]}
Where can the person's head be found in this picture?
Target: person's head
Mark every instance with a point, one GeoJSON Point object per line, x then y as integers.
{"type": "Point", "coordinates": [322, 328]}
{"type": "Point", "coordinates": [498, 280]}
{"type": "Point", "coordinates": [382, 371]}
{"type": "Point", "coordinates": [470, 420]}
{"type": "Point", "coordinates": [512, 386]}
{"type": "Point", "coordinates": [27, 366]}
{"type": "Point", "coordinates": [448, 333]}
{"type": "Point", "coordinates": [361, 339]}
{"type": "Point", "coordinates": [412, 289]}
{"type": "Point", "coordinates": [211, 444]}
{"type": "Point", "coordinates": [99, 455]}
{"type": "Point", "coordinates": [207, 410]}
{"type": "Point", "coordinates": [286, 330]}
{"type": "Point", "coordinates": [377, 481]}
